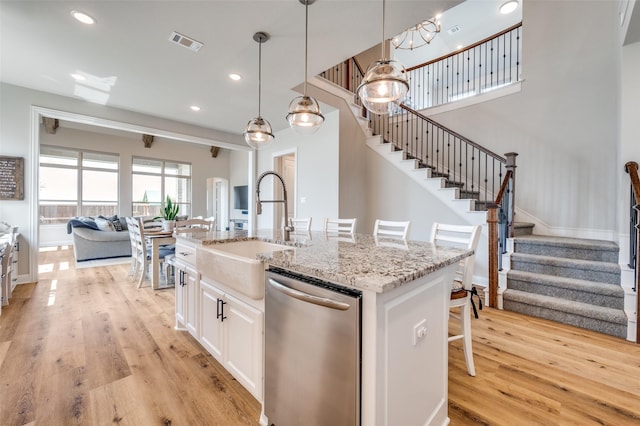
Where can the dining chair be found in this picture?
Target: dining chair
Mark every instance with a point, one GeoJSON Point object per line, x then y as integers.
{"type": "Point", "coordinates": [142, 252]}
{"type": "Point", "coordinates": [134, 245]}
{"type": "Point", "coordinates": [193, 225]}
{"type": "Point", "coordinates": [301, 225]}
{"type": "Point", "coordinates": [339, 226]}
{"type": "Point", "coordinates": [388, 228]}
{"type": "Point", "coordinates": [462, 236]}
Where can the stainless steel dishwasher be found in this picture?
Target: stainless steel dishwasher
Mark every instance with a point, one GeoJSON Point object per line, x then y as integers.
{"type": "Point", "coordinates": [312, 351]}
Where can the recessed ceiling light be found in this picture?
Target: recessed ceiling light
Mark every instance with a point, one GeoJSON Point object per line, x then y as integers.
{"type": "Point", "coordinates": [459, 47]}
{"type": "Point", "coordinates": [508, 7]}
{"type": "Point", "coordinates": [235, 77]}
{"type": "Point", "coordinates": [195, 108]}
{"type": "Point", "coordinates": [78, 77]}
{"type": "Point", "coordinates": [83, 17]}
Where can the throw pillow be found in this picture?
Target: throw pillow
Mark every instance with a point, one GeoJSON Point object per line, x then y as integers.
{"type": "Point", "coordinates": [104, 224]}
{"type": "Point", "coordinates": [81, 222]}
{"type": "Point", "coordinates": [115, 221]}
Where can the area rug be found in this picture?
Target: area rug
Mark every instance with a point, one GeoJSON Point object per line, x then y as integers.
{"type": "Point", "coordinates": [102, 262]}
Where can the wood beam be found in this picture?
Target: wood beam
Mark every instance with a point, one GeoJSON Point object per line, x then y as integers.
{"type": "Point", "coordinates": [148, 140]}
{"type": "Point", "coordinates": [50, 125]}
{"type": "Point", "coordinates": [214, 151]}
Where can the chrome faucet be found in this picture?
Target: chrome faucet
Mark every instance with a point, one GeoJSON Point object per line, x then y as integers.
{"type": "Point", "coordinates": [287, 228]}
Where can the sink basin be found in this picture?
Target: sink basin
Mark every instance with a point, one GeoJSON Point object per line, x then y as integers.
{"type": "Point", "coordinates": [235, 265]}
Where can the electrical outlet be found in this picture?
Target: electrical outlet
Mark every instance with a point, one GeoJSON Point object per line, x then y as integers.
{"type": "Point", "coordinates": [419, 331]}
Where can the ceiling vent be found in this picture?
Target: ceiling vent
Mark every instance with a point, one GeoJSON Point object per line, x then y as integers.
{"type": "Point", "coordinates": [185, 41]}
{"type": "Point", "coordinates": [454, 29]}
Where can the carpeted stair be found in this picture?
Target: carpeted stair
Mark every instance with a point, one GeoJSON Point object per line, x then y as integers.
{"type": "Point", "coordinates": [569, 280]}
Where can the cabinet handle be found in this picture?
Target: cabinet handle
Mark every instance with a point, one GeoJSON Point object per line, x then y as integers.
{"type": "Point", "coordinates": [181, 278]}
{"type": "Point", "coordinates": [220, 309]}
{"type": "Point", "coordinates": [183, 253]}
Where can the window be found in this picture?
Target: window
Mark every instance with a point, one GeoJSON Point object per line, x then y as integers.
{"type": "Point", "coordinates": [153, 180]}
{"type": "Point", "coordinates": [76, 183]}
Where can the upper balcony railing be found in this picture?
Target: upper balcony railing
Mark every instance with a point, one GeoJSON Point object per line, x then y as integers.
{"type": "Point", "coordinates": [484, 66]}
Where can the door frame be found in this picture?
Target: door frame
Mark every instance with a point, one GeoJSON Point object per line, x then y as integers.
{"type": "Point", "coordinates": [276, 159]}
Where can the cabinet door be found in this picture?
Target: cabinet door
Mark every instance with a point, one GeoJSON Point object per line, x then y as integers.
{"type": "Point", "coordinates": [192, 281]}
{"type": "Point", "coordinates": [210, 302]}
{"type": "Point", "coordinates": [244, 344]}
{"type": "Point", "coordinates": [181, 297]}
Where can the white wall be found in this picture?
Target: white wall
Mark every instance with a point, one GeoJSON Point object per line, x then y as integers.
{"type": "Point", "coordinates": [630, 136]}
{"type": "Point", "coordinates": [564, 123]}
{"type": "Point", "coordinates": [317, 172]}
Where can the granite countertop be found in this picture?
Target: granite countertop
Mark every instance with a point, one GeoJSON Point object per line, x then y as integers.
{"type": "Point", "coordinates": [362, 261]}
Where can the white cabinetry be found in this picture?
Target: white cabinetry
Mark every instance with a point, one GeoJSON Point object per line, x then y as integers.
{"type": "Point", "coordinates": [231, 330]}
{"type": "Point", "coordinates": [187, 281]}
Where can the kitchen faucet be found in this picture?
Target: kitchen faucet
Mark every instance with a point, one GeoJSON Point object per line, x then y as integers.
{"type": "Point", "coordinates": [287, 227]}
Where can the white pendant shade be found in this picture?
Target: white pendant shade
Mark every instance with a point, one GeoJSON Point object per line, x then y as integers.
{"type": "Point", "coordinates": [304, 115]}
{"type": "Point", "coordinates": [258, 133]}
{"type": "Point", "coordinates": [384, 86]}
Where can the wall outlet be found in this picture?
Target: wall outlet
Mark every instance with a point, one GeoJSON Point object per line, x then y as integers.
{"type": "Point", "coordinates": [419, 331]}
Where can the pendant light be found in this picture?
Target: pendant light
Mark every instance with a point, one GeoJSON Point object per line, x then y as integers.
{"type": "Point", "coordinates": [384, 84]}
{"type": "Point", "coordinates": [304, 112]}
{"type": "Point", "coordinates": [258, 133]}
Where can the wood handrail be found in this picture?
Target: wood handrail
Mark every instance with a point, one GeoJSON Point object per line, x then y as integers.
{"type": "Point", "coordinates": [457, 52]}
{"type": "Point", "coordinates": [453, 133]}
{"type": "Point", "coordinates": [503, 187]}
{"type": "Point", "coordinates": [631, 167]}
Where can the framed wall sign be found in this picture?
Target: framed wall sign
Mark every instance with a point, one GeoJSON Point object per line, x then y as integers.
{"type": "Point", "coordinates": [11, 178]}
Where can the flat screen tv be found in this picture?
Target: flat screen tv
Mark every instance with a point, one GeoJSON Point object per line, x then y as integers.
{"type": "Point", "coordinates": [241, 197]}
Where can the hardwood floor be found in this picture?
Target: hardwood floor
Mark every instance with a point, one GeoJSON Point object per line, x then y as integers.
{"type": "Point", "coordinates": [85, 347]}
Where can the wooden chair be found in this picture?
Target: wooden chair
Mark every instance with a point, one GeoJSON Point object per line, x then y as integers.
{"type": "Point", "coordinates": [388, 228]}
{"type": "Point", "coordinates": [340, 226]}
{"type": "Point", "coordinates": [141, 254]}
{"type": "Point", "coordinates": [464, 237]}
{"type": "Point", "coordinates": [193, 225]}
{"type": "Point", "coordinates": [301, 225]}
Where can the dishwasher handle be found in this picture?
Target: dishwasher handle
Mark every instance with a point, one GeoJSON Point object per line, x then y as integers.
{"type": "Point", "coordinates": [309, 298]}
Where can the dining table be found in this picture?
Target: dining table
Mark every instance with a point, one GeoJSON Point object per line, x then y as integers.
{"type": "Point", "coordinates": [156, 239]}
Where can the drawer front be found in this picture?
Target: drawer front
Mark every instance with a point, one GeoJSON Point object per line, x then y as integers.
{"type": "Point", "coordinates": [186, 254]}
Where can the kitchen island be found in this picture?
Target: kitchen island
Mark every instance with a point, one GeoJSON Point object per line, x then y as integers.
{"type": "Point", "coordinates": [405, 296]}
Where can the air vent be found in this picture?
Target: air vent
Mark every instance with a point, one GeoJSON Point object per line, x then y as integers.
{"type": "Point", "coordinates": [454, 29]}
{"type": "Point", "coordinates": [185, 41]}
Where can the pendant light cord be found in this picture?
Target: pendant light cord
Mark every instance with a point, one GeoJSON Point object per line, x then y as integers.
{"type": "Point", "coordinates": [382, 44]}
{"type": "Point", "coordinates": [306, 43]}
{"type": "Point", "coordinates": [259, 76]}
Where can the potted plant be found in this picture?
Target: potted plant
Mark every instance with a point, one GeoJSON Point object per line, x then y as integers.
{"type": "Point", "coordinates": [169, 214]}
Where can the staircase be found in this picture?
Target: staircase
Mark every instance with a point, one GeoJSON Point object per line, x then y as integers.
{"type": "Point", "coordinates": [568, 280]}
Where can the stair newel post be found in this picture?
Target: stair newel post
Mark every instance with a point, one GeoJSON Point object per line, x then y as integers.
{"type": "Point", "coordinates": [492, 221]}
{"type": "Point", "coordinates": [632, 169]}
{"type": "Point", "coordinates": [511, 166]}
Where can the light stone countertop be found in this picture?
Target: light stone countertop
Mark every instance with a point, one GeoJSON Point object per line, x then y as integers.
{"type": "Point", "coordinates": [363, 262]}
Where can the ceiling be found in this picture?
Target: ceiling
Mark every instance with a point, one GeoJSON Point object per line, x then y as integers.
{"type": "Point", "coordinates": [131, 64]}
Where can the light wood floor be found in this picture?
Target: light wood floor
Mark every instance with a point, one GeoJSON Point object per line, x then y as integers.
{"type": "Point", "coordinates": [85, 347]}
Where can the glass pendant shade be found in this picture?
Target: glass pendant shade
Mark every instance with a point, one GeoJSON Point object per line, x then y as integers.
{"type": "Point", "coordinates": [304, 115]}
{"type": "Point", "coordinates": [384, 86]}
{"type": "Point", "coordinates": [258, 133]}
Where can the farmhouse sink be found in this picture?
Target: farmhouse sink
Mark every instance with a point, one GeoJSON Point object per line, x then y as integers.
{"type": "Point", "coordinates": [235, 265]}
